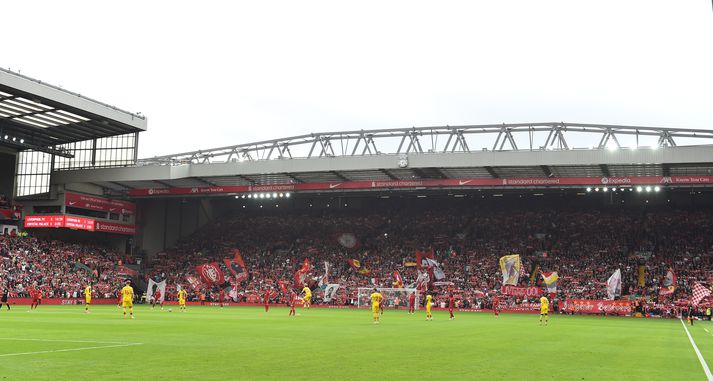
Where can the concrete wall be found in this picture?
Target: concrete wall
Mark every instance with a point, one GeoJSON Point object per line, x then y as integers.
{"type": "Point", "coordinates": [162, 222]}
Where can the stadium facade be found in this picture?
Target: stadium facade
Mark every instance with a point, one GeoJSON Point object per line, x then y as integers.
{"type": "Point", "coordinates": [70, 168]}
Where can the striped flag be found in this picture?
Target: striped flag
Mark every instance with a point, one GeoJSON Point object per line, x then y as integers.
{"type": "Point", "coordinates": [699, 293]}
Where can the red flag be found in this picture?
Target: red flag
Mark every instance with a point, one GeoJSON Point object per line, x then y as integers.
{"type": "Point", "coordinates": [283, 286]}
{"type": "Point", "coordinates": [301, 274]}
{"type": "Point", "coordinates": [211, 273]}
{"type": "Point", "coordinates": [237, 266]}
{"type": "Point", "coordinates": [194, 282]}
{"type": "Point", "coordinates": [699, 293]}
{"type": "Point", "coordinates": [421, 257]}
{"type": "Point", "coordinates": [398, 281]}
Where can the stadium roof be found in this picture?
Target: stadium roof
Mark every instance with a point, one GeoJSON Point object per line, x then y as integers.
{"type": "Point", "coordinates": [40, 116]}
{"type": "Point", "coordinates": [433, 157]}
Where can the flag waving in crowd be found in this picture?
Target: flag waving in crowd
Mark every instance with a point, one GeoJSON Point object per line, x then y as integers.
{"type": "Point", "coordinates": [550, 279]}
{"type": "Point", "coordinates": [398, 281]}
{"type": "Point", "coordinates": [236, 265]}
{"type": "Point", "coordinates": [700, 292]}
{"type": "Point", "coordinates": [668, 286]}
{"type": "Point", "coordinates": [614, 285]}
{"type": "Point", "coordinates": [510, 266]}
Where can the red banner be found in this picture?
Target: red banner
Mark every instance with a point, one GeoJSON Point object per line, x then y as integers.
{"type": "Point", "coordinates": [113, 227]}
{"type": "Point", "coordinates": [521, 291]}
{"type": "Point", "coordinates": [211, 273]}
{"type": "Point", "coordinates": [127, 271]}
{"type": "Point", "coordinates": [588, 306]}
{"type": "Point", "coordinates": [194, 282]}
{"type": "Point", "coordinates": [432, 183]}
{"type": "Point", "coordinates": [421, 256]}
{"type": "Point", "coordinates": [237, 266]}
{"type": "Point", "coordinates": [97, 203]}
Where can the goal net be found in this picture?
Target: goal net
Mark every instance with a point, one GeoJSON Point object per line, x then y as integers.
{"type": "Point", "coordinates": [393, 297]}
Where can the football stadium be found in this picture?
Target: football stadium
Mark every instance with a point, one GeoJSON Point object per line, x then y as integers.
{"type": "Point", "coordinates": [333, 191]}
{"type": "Point", "coordinates": [558, 251]}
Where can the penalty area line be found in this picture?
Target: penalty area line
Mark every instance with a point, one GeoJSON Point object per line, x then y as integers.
{"type": "Point", "coordinates": [69, 349]}
{"type": "Point", "coordinates": [698, 353]}
{"type": "Point", "coordinates": [62, 341]}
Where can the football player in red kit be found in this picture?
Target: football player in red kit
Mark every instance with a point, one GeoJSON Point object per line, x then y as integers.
{"type": "Point", "coordinates": [221, 297]}
{"type": "Point", "coordinates": [496, 306]}
{"type": "Point", "coordinates": [291, 303]}
{"type": "Point", "coordinates": [451, 305]}
{"type": "Point", "coordinates": [266, 300]}
{"type": "Point", "coordinates": [412, 303]}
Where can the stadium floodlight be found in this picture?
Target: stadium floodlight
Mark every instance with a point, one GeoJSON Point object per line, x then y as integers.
{"type": "Point", "coordinates": [657, 189]}
{"type": "Point", "coordinates": [260, 206]}
{"type": "Point", "coordinates": [605, 189]}
{"type": "Point", "coordinates": [589, 189]}
{"type": "Point", "coordinates": [274, 195]}
{"type": "Point", "coordinates": [639, 189]}
{"type": "Point", "coordinates": [14, 139]}
{"type": "Point", "coordinates": [287, 194]}
{"type": "Point", "coordinates": [243, 196]}
{"type": "Point", "coordinates": [250, 196]}
{"type": "Point", "coordinates": [648, 189]}
{"type": "Point", "coordinates": [262, 195]}
{"type": "Point", "coordinates": [596, 189]}
{"type": "Point", "coordinates": [236, 196]}
{"type": "Point", "coordinates": [267, 195]}
{"type": "Point", "coordinates": [282, 195]}
{"type": "Point", "coordinates": [631, 189]}
{"type": "Point", "coordinates": [613, 189]}
{"type": "Point", "coordinates": [22, 141]}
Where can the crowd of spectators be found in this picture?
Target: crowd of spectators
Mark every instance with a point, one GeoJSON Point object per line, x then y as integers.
{"type": "Point", "coordinates": [58, 269]}
{"type": "Point", "coordinates": [584, 246]}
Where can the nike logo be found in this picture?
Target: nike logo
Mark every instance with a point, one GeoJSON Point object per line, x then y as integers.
{"type": "Point", "coordinates": [332, 186]}
{"type": "Point", "coordinates": [461, 182]}
{"type": "Point", "coordinates": [72, 203]}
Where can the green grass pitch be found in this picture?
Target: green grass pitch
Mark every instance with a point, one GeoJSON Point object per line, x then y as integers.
{"type": "Point", "coordinates": [245, 343]}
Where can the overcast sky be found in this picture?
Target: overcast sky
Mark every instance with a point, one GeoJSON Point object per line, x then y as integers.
{"type": "Point", "coordinates": [235, 72]}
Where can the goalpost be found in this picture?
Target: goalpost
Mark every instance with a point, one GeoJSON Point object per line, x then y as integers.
{"type": "Point", "coordinates": [393, 297]}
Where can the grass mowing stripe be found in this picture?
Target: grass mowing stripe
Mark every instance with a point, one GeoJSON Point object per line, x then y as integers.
{"type": "Point", "coordinates": [698, 353]}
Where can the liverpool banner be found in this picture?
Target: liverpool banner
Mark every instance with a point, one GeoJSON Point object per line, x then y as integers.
{"type": "Point", "coordinates": [330, 292]}
{"type": "Point", "coordinates": [211, 273]}
{"type": "Point", "coordinates": [510, 267]}
{"type": "Point", "coordinates": [194, 282]}
{"type": "Point", "coordinates": [301, 274]}
{"type": "Point", "coordinates": [236, 265]}
{"type": "Point", "coordinates": [668, 285]}
{"type": "Point", "coordinates": [422, 258]}
{"type": "Point", "coordinates": [521, 291]}
{"type": "Point", "coordinates": [153, 287]}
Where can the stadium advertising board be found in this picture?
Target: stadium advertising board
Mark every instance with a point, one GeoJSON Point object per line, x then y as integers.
{"type": "Point", "coordinates": [588, 306]}
{"type": "Point", "coordinates": [431, 183]}
{"type": "Point", "coordinates": [100, 204]}
{"type": "Point", "coordinates": [113, 227]}
{"type": "Point", "coordinates": [78, 223]}
{"type": "Point", "coordinates": [521, 291]}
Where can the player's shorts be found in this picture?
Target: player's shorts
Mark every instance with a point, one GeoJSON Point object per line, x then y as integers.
{"type": "Point", "coordinates": [428, 308]}
{"type": "Point", "coordinates": [544, 311]}
{"type": "Point", "coordinates": [88, 301]}
{"type": "Point", "coordinates": [127, 303]}
{"type": "Point", "coordinates": [307, 300]}
{"type": "Point", "coordinates": [375, 308]}
{"type": "Point", "coordinates": [181, 302]}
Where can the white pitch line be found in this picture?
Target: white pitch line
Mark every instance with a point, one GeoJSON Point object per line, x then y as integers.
{"type": "Point", "coordinates": [698, 353]}
{"type": "Point", "coordinates": [69, 350]}
{"type": "Point", "coordinates": [705, 329]}
{"type": "Point", "coordinates": [63, 341]}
